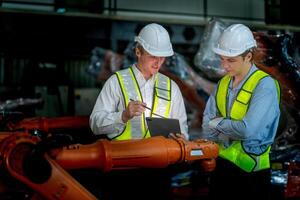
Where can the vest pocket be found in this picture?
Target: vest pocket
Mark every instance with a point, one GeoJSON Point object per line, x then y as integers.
{"type": "Point", "coordinates": [163, 93]}
{"type": "Point", "coordinates": [245, 161]}
{"type": "Point", "coordinates": [244, 97]}
{"type": "Point", "coordinates": [236, 154]}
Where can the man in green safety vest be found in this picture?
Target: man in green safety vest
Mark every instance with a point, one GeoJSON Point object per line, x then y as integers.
{"type": "Point", "coordinates": [140, 91]}
{"type": "Point", "coordinates": [126, 99]}
{"type": "Point", "coordinates": [242, 116]}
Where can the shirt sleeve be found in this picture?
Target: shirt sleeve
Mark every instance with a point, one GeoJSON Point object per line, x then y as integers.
{"type": "Point", "coordinates": [210, 113]}
{"type": "Point", "coordinates": [261, 114]}
{"type": "Point", "coordinates": [106, 118]}
{"type": "Point", "coordinates": [177, 109]}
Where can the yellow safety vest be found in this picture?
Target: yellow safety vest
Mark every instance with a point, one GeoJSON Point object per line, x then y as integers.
{"type": "Point", "coordinates": [130, 90]}
{"type": "Point", "coordinates": [235, 152]}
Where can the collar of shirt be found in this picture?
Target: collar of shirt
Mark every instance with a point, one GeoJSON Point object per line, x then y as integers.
{"type": "Point", "coordinates": [140, 78]}
{"type": "Point", "coordinates": [252, 69]}
{"type": "Point", "coordinates": [232, 92]}
{"type": "Point", "coordinates": [146, 88]}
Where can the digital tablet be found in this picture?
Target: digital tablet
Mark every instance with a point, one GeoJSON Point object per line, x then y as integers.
{"type": "Point", "coordinates": [162, 126]}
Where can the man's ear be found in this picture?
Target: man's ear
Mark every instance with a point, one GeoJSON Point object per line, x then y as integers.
{"type": "Point", "coordinates": [249, 56]}
{"type": "Point", "coordinates": [138, 52]}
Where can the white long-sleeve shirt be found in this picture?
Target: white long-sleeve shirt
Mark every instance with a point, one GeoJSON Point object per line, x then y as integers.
{"type": "Point", "coordinates": [106, 117]}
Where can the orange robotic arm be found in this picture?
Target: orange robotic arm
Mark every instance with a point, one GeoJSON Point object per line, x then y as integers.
{"type": "Point", "coordinates": [38, 171]}
{"type": "Point", "coordinates": [24, 161]}
{"type": "Point", "coordinates": [154, 152]}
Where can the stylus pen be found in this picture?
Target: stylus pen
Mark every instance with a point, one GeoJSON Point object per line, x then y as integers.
{"type": "Point", "coordinates": [150, 110]}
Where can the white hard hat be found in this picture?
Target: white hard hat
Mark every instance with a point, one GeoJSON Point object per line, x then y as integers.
{"type": "Point", "coordinates": [234, 41]}
{"type": "Point", "coordinates": [155, 40]}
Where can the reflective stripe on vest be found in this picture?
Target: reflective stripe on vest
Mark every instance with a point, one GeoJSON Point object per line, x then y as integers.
{"type": "Point", "coordinates": [235, 152]}
{"type": "Point", "coordinates": [162, 94]}
{"type": "Point", "coordinates": [136, 127]}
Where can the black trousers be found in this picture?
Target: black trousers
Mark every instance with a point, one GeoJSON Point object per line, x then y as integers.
{"type": "Point", "coordinates": [230, 182]}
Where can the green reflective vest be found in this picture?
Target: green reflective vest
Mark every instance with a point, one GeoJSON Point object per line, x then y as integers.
{"type": "Point", "coordinates": [130, 90]}
{"type": "Point", "coordinates": [235, 152]}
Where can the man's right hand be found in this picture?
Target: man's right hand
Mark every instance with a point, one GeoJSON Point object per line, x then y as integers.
{"type": "Point", "coordinates": [134, 108]}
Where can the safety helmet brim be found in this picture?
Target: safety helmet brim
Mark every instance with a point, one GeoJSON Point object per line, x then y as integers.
{"type": "Point", "coordinates": [221, 52]}
{"type": "Point", "coordinates": [152, 51]}
{"type": "Point", "coordinates": [235, 40]}
{"type": "Point", "coordinates": [155, 39]}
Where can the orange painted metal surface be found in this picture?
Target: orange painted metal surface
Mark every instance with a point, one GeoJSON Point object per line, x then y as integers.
{"type": "Point", "coordinates": [155, 152]}
{"type": "Point", "coordinates": [44, 172]}
{"type": "Point", "coordinates": [39, 172]}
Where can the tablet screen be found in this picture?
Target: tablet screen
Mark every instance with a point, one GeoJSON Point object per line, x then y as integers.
{"type": "Point", "coordinates": [162, 126]}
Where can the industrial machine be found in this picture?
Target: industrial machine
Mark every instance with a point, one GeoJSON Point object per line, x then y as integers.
{"type": "Point", "coordinates": [41, 164]}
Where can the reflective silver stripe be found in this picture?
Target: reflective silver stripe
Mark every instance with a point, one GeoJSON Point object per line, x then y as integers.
{"type": "Point", "coordinates": [162, 95]}
{"type": "Point", "coordinates": [129, 85]}
{"type": "Point", "coordinates": [131, 92]}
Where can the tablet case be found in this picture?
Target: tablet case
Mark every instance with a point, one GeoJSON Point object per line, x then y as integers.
{"type": "Point", "coordinates": [162, 126]}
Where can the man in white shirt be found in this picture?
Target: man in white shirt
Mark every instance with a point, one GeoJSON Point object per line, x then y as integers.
{"type": "Point", "coordinates": [140, 91]}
